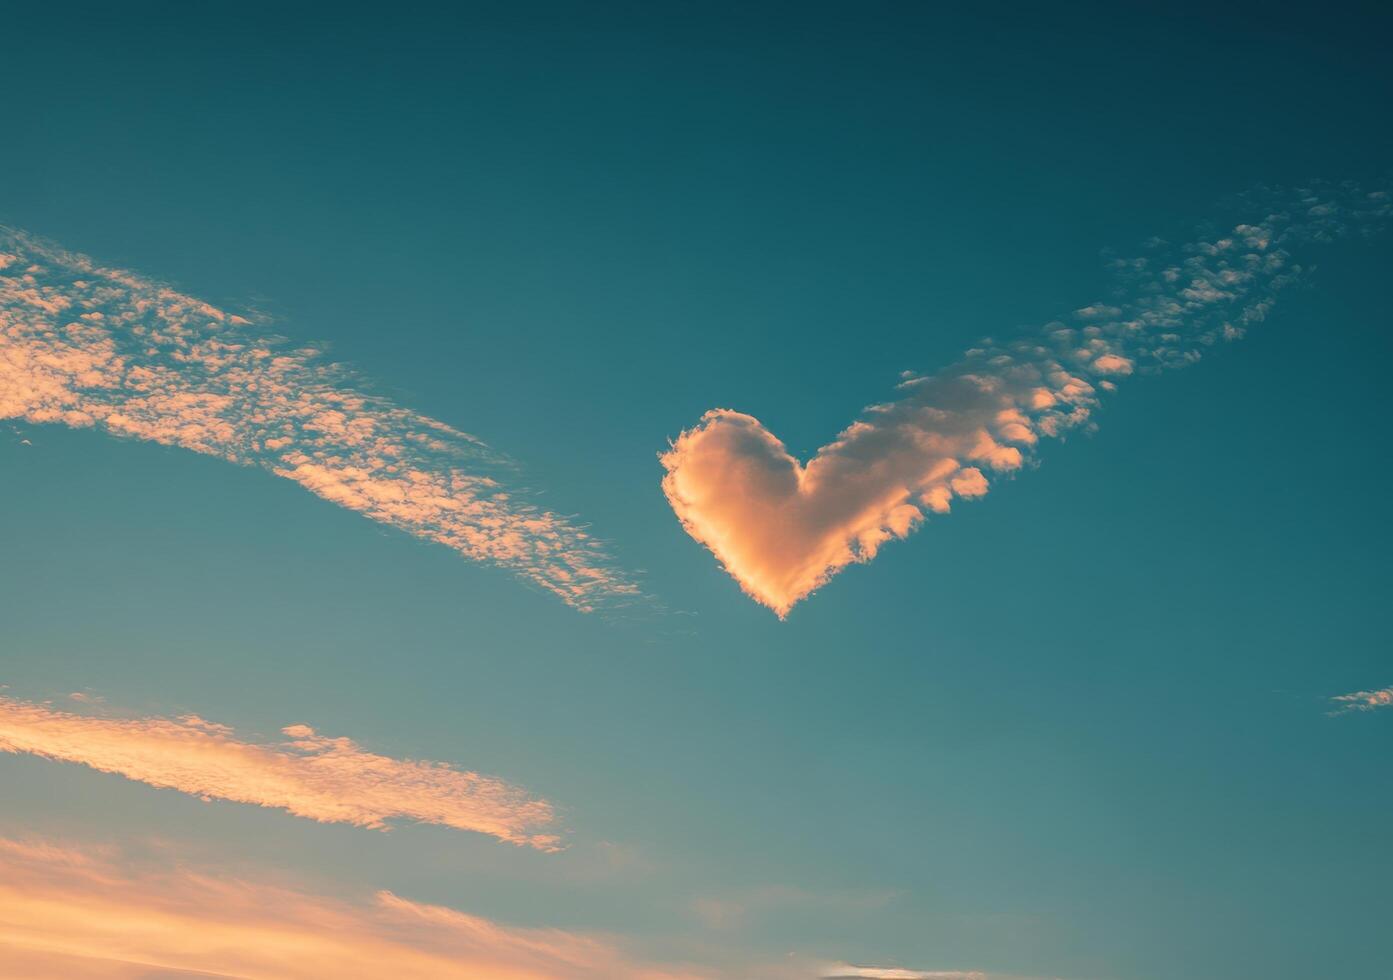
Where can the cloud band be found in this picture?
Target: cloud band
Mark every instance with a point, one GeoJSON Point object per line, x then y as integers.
{"type": "Point", "coordinates": [87, 346]}
{"type": "Point", "coordinates": [332, 780]}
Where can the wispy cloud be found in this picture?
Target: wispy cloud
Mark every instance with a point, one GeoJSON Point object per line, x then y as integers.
{"type": "Point", "coordinates": [332, 780]}
{"type": "Point", "coordinates": [1363, 700]}
{"type": "Point", "coordinates": [70, 911]}
{"type": "Point", "coordinates": [782, 528]}
{"type": "Point", "coordinates": [87, 346]}
{"type": "Point", "coordinates": [845, 971]}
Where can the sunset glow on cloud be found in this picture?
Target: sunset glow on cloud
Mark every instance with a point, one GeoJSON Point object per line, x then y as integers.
{"type": "Point", "coordinates": [331, 780]}
{"type": "Point", "coordinates": [845, 971]}
{"type": "Point", "coordinates": [87, 346]}
{"type": "Point", "coordinates": [782, 528]}
{"type": "Point", "coordinates": [432, 439]}
{"type": "Point", "coordinates": [71, 912]}
{"type": "Point", "coordinates": [1364, 700]}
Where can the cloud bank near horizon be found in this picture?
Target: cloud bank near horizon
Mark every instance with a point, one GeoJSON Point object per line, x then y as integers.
{"type": "Point", "coordinates": [82, 911]}
{"type": "Point", "coordinates": [103, 910]}
{"type": "Point", "coordinates": [330, 780]}
{"type": "Point", "coordinates": [781, 529]}
{"type": "Point", "coordinates": [87, 346]}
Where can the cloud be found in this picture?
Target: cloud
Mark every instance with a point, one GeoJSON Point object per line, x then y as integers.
{"type": "Point", "coordinates": [782, 528]}
{"type": "Point", "coordinates": [332, 780]}
{"type": "Point", "coordinates": [1363, 700]}
{"type": "Point", "coordinates": [87, 346]}
{"type": "Point", "coordinates": [69, 911]}
{"type": "Point", "coordinates": [845, 971]}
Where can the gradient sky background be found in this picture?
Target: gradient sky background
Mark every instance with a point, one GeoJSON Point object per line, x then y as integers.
{"type": "Point", "coordinates": [1076, 729]}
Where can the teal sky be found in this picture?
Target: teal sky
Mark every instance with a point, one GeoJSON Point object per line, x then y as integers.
{"type": "Point", "coordinates": [1080, 728]}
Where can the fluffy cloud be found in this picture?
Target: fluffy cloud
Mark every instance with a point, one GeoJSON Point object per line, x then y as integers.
{"type": "Point", "coordinates": [782, 528]}
{"type": "Point", "coordinates": [333, 780]}
{"type": "Point", "coordinates": [82, 345]}
{"type": "Point", "coordinates": [68, 912]}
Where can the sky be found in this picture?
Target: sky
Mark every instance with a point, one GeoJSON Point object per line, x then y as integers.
{"type": "Point", "coordinates": [755, 492]}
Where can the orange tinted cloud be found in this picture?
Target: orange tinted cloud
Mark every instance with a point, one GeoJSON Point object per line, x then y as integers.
{"type": "Point", "coordinates": [69, 912]}
{"type": "Point", "coordinates": [845, 971]}
{"type": "Point", "coordinates": [86, 346]}
{"type": "Point", "coordinates": [332, 780]}
{"type": "Point", "coordinates": [1364, 700]}
{"type": "Point", "coordinates": [782, 528]}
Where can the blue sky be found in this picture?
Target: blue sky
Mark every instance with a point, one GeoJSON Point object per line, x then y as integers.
{"type": "Point", "coordinates": [1079, 728]}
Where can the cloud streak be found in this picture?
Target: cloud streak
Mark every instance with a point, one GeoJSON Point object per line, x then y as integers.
{"type": "Point", "coordinates": [69, 912]}
{"type": "Point", "coordinates": [87, 346]}
{"type": "Point", "coordinates": [331, 780]}
{"type": "Point", "coordinates": [1363, 700]}
{"type": "Point", "coordinates": [782, 528]}
{"type": "Point", "coordinates": [845, 971]}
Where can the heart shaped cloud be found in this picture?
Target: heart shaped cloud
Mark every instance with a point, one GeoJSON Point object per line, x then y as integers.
{"type": "Point", "coordinates": [782, 529]}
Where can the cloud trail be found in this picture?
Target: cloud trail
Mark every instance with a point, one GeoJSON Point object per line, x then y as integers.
{"type": "Point", "coordinates": [782, 529]}
{"type": "Point", "coordinates": [87, 346]}
{"type": "Point", "coordinates": [845, 971]}
{"type": "Point", "coordinates": [68, 912]}
{"type": "Point", "coordinates": [1363, 700]}
{"type": "Point", "coordinates": [331, 780]}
